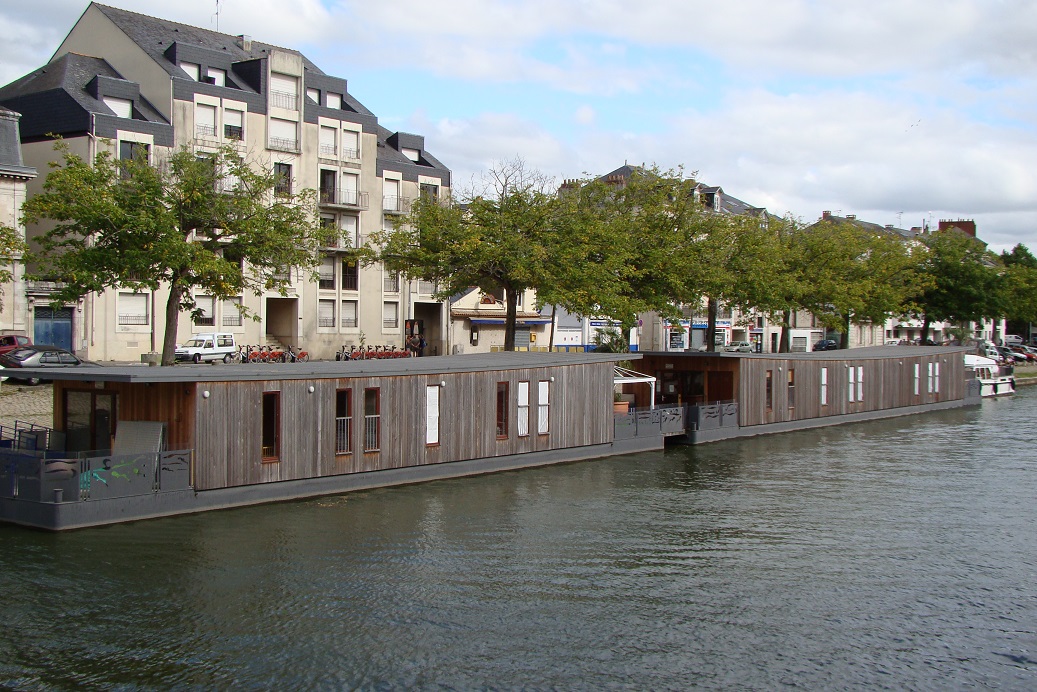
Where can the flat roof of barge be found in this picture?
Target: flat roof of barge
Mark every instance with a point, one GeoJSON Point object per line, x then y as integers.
{"type": "Point", "coordinates": [863, 353]}
{"type": "Point", "coordinates": [388, 367]}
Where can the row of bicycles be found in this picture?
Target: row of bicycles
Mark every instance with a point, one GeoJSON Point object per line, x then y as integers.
{"type": "Point", "coordinates": [269, 354]}
{"type": "Point", "coordinates": [370, 352]}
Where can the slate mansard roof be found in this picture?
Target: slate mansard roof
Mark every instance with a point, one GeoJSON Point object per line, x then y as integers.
{"type": "Point", "coordinates": [11, 163]}
{"type": "Point", "coordinates": [58, 97]}
{"type": "Point", "coordinates": [63, 96]}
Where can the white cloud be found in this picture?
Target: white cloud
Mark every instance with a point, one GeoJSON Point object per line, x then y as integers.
{"type": "Point", "coordinates": [585, 115]}
{"type": "Point", "coordinates": [882, 108]}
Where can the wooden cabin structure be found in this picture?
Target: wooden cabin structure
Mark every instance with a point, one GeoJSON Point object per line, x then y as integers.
{"type": "Point", "coordinates": [241, 434]}
{"type": "Point", "coordinates": [739, 394]}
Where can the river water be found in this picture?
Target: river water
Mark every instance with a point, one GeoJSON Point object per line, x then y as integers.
{"type": "Point", "coordinates": [898, 554]}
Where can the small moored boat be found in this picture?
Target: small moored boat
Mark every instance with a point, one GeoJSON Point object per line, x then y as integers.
{"type": "Point", "coordinates": [992, 382]}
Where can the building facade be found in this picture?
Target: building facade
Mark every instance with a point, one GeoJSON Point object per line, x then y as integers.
{"type": "Point", "coordinates": [14, 176]}
{"type": "Point", "coordinates": [137, 84]}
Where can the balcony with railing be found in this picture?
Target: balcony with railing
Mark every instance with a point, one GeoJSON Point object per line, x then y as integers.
{"type": "Point", "coordinates": [427, 288]}
{"type": "Point", "coordinates": [396, 205]}
{"type": "Point", "coordinates": [137, 319]}
{"type": "Point", "coordinates": [233, 132]}
{"type": "Point", "coordinates": [207, 131]}
{"type": "Point", "coordinates": [351, 199]}
{"type": "Point", "coordinates": [391, 283]}
{"type": "Point", "coordinates": [328, 150]}
{"type": "Point", "coordinates": [284, 144]}
{"type": "Point", "coordinates": [284, 99]}
{"type": "Point", "coordinates": [351, 154]}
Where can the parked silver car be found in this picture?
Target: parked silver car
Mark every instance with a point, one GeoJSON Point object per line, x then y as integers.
{"type": "Point", "coordinates": [739, 347]}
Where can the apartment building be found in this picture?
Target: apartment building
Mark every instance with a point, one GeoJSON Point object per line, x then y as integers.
{"type": "Point", "coordinates": [131, 83]}
{"type": "Point", "coordinates": [14, 175]}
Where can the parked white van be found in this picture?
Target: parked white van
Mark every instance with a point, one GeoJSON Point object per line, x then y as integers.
{"type": "Point", "coordinates": [1012, 340]}
{"type": "Point", "coordinates": [209, 347]}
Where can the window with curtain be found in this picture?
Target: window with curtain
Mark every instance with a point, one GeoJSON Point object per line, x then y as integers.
{"type": "Point", "coordinates": [350, 144]}
{"type": "Point", "coordinates": [522, 410]}
{"type": "Point", "coordinates": [133, 308]}
{"type": "Point", "coordinates": [325, 313]}
{"type": "Point", "coordinates": [349, 312]}
{"type": "Point", "coordinates": [432, 415]}
{"type": "Point", "coordinates": [204, 120]}
{"type": "Point", "coordinates": [233, 124]}
{"type": "Point", "coordinates": [207, 311]}
{"type": "Point", "coordinates": [543, 407]}
{"type": "Point", "coordinates": [390, 315]}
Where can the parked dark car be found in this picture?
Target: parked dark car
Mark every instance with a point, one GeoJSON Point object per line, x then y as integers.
{"type": "Point", "coordinates": [38, 357]}
{"type": "Point", "coordinates": [826, 345]}
{"type": "Point", "coordinates": [9, 342]}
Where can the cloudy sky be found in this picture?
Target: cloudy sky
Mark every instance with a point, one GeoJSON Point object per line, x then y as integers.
{"type": "Point", "coordinates": [899, 111]}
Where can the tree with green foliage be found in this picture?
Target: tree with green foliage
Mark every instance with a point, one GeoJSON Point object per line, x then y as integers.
{"type": "Point", "coordinates": [1020, 288]}
{"type": "Point", "coordinates": [961, 278]}
{"type": "Point", "coordinates": [212, 223]}
{"type": "Point", "coordinates": [853, 275]}
{"type": "Point", "coordinates": [736, 260]}
{"type": "Point", "coordinates": [12, 247]}
{"type": "Point", "coordinates": [621, 247]}
{"type": "Point", "coordinates": [491, 238]}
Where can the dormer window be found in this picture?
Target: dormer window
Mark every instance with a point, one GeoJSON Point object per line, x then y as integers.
{"type": "Point", "coordinates": [313, 95]}
{"type": "Point", "coordinates": [412, 154]}
{"type": "Point", "coordinates": [335, 101]}
{"type": "Point", "coordinates": [216, 76]}
{"type": "Point", "coordinates": [123, 108]}
{"type": "Point", "coordinates": [193, 70]}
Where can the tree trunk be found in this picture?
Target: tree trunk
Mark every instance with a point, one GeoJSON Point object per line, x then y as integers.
{"type": "Point", "coordinates": [554, 319]}
{"type": "Point", "coordinates": [925, 330]}
{"type": "Point", "coordinates": [844, 340]}
{"type": "Point", "coordinates": [784, 343]}
{"type": "Point", "coordinates": [510, 319]}
{"type": "Point", "coordinates": [711, 325]}
{"type": "Point", "coordinates": [172, 320]}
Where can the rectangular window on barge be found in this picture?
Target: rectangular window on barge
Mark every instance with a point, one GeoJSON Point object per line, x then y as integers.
{"type": "Point", "coordinates": [271, 426]}
{"type": "Point", "coordinates": [502, 410]}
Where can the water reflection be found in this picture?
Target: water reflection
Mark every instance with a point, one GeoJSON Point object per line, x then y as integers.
{"type": "Point", "coordinates": [891, 553]}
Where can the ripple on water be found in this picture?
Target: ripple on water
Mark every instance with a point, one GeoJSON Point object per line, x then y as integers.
{"type": "Point", "coordinates": [893, 554]}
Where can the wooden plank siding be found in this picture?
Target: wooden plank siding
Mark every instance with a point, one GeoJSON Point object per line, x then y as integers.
{"type": "Point", "coordinates": [230, 422]}
{"type": "Point", "coordinates": [159, 401]}
{"type": "Point", "coordinates": [887, 383]}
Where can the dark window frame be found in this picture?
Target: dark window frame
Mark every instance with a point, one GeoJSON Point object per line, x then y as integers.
{"type": "Point", "coordinates": [503, 401]}
{"type": "Point", "coordinates": [270, 442]}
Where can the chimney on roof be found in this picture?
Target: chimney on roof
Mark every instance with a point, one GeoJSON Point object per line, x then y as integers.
{"type": "Point", "coordinates": [967, 226]}
{"type": "Point", "coordinates": [826, 215]}
{"type": "Point", "coordinates": [245, 41]}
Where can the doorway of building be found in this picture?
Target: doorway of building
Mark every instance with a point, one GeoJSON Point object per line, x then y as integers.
{"type": "Point", "coordinates": [52, 327]}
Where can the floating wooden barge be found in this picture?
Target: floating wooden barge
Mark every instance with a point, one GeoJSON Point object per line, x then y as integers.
{"type": "Point", "coordinates": [136, 442]}
{"type": "Point", "coordinates": [731, 395]}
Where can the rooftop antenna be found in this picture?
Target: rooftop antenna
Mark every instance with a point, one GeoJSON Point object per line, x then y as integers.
{"type": "Point", "coordinates": [900, 219]}
{"type": "Point", "coordinates": [217, 15]}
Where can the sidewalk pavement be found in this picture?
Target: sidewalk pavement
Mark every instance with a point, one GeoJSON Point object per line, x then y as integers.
{"type": "Point", "coordinates": [26, 404]}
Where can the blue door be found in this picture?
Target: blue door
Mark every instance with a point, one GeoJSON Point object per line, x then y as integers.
{"type": "Point", "coordinates": [53, 327]}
